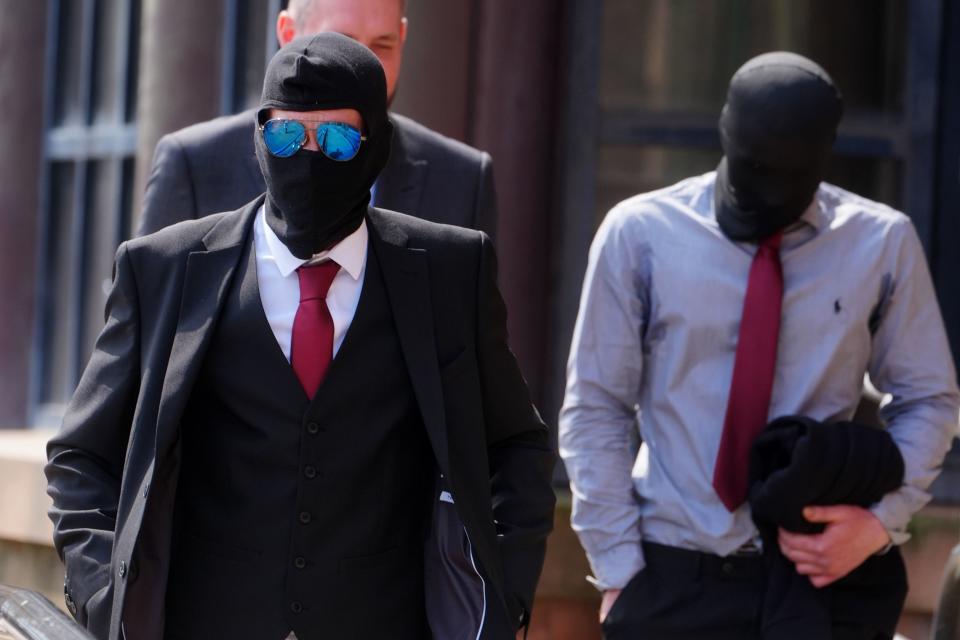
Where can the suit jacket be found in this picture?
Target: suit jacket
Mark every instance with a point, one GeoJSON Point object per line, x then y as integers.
{"type": "Point", "coordinates": [113, 467]}
{"type": "Point", "coordinates": [211, 167]}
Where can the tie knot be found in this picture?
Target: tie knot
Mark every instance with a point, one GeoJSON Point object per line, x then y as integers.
{"type": "Point", "coordinates": [772, 242]}
{"type": "Point", "coordinates": [315, 280]}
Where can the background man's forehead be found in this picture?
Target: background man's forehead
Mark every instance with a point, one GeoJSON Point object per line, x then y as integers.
{"type": "Point", "coordinates": [315, 114]}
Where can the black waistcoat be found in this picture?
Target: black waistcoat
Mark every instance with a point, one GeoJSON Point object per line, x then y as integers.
{"type": "Point", "coordinates": [298, 514]}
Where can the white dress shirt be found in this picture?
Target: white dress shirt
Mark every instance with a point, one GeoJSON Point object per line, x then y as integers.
{"type": "Point", "coordinates": [280, 286]}
{"type": "Point", "coordinates": [653, 354]}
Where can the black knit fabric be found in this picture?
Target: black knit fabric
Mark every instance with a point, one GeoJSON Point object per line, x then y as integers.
{"type": "Point", "coordinates": [796, 462]}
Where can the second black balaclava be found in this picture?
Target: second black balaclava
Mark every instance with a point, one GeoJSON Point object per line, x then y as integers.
{"type": "Point", "coordinates": [777, 129]}
{"type": "Point", "coordinates": [313, 202]}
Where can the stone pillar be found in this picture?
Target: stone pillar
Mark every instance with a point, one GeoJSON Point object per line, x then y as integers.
{"type": "Point", "coordinates": [22, 39]}
{"type": "Point", "coordinates": [514, 115]}
{"type": "Point", "coordinates": [179, 75]}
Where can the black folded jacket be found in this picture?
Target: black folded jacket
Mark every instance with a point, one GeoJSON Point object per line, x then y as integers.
{"type": "Point", "coordinates": [796, 462]}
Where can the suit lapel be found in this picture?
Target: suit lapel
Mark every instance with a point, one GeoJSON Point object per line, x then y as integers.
{"type": "Point", "coordinates": [206, 281]}
{"type": "Point", "coordinates": [406, 278]}
{"type": "Point", "coordinates": [401, 182]}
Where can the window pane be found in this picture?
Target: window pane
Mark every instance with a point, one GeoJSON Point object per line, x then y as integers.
{"type": "Point", "coordinates": [99, 248]}
{"type": "Point", "coordinates": [57, 288]}
{"type": "Point", "coordinates": [68, 105]}
{"type": "Point", "coordinates": [879, 179]}
{"type": "Point", "coordinates": [133, 55]}
{"type": "Point", "coordinates": [105, 79]}
{"type": "Point", "coordinates": [116, 40]}
{"type": "Point", "coordinates": [680, 54]}
{"type": "Point", "coordinates": [251, 51]}
{"type": "Point", "coordinates": [625, 171]}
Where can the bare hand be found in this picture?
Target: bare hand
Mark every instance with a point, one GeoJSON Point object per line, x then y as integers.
{"type": "Point", "coordinates": [852, 535]}
{"type": "Point", "coordinates": [609, 597]}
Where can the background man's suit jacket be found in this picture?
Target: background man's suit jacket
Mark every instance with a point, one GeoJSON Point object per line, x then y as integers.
{"type": "Point", "coordinates": [113, 467]}
{"type": "Point", "coordinates": [211, 167]}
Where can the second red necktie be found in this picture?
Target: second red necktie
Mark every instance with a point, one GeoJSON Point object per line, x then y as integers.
{"type": "Point", "coordinates": [311, 345]}
{"type": "Point", "coordinates": [753, 371]}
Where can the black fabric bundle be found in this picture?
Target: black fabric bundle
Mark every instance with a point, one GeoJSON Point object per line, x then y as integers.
{"type": "Point", "coordinates": [797, 462]}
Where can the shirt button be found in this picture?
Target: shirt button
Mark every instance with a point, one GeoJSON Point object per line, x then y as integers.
{"type": "Point", "coordinates": [313, 428]}
{"type": "Point", "coordinates": [310, 471]}
{"type": "Point", "coordinates": [305, 517]}
{"type": "Point", "coordinates": [300, 563]}
{"type": "Point", "coordinates": [296, 607]}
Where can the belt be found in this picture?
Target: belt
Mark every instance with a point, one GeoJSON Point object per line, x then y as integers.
{"type": "Point", "coordinates": [747, 549]}
{"type": "Point", "coordinates": [693, 564]}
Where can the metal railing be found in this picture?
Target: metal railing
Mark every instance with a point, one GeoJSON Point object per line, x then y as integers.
{"type": "Point", "coordinates": [26, 615]}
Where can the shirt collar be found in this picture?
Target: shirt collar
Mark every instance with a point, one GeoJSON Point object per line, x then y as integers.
{"type": "Point", "coordinates": [814, 215]}
{"type": "Point", "coordinates": [350, 253]}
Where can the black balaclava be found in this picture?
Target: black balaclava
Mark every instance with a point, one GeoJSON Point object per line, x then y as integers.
{"type": "Point", "coordinates": [313, 202]}
{"type": "Point", "coordinates": [777, 128]}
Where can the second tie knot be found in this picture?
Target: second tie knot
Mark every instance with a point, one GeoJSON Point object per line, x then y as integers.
{"type": "Point", "coordinates": [315, 280]}
{"type": "Point", "coordinates": [772, 242]}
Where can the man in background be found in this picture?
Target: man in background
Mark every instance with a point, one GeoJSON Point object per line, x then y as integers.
{"type": "Point", "coordinates": [211, 166]}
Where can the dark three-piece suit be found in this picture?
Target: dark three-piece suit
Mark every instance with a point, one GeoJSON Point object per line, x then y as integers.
{"type": "Point", "coordinates": [198, 492]}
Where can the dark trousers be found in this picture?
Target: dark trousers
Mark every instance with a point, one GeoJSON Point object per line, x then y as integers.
{"type": "Point", "coordinates": [688, 595]}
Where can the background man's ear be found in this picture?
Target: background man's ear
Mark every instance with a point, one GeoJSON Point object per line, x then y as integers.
{"type": "Point", "coordinates": [286, 28]}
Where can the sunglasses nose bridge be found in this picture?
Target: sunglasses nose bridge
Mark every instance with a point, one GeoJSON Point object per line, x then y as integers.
{"type": "Point", "coordinates": [310, 143]}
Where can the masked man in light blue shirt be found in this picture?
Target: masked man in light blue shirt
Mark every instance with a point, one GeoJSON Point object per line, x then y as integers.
{"type": "Point", "coordinates": [658, 340]}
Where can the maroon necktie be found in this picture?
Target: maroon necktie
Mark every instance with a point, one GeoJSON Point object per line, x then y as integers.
{"type": "Point", "coordinates": [311, 346]}
{"type": "Point", "coordinates": [753, 370]}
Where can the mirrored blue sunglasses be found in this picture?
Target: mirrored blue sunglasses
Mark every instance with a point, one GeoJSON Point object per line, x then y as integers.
{"type": "Point", "coordinates": [337, 140]}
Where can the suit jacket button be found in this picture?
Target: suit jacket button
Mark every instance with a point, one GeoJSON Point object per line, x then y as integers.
{"type": "Point", "coordinates": [296, 607]}
{"type": "Point", "coordinates": [123, 569]}
{"type": "Point", "coordinates": [305, 517]}
{"type": "Point", "coordinates": [313, 428]}
{"type": "Point", "coordinates": [300, 563]}
{"type": "Point", "coordinates": [71, 605]}
{"type": "Point", "coordinates": [310, 471]}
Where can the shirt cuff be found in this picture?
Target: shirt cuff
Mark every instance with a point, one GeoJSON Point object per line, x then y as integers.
{"type": "Point", "coordinates": [617, 566]}
{"type": "Point", "coordinates": [894, 516]}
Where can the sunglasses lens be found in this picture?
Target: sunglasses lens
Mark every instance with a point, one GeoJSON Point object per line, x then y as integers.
{"type": "Point", "coordinates": [338, 141]}
{"type": "Point", "coordinates": [284, 138]}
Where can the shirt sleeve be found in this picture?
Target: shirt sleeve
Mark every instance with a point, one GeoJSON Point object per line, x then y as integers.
{"type": "Point", "coordinates": [599, 413]}
{"type": "Point", "coordinates": [911, 361]}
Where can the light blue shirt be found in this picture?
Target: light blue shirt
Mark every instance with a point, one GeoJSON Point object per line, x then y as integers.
{"type": "Point", "coordinates": [653, 350]}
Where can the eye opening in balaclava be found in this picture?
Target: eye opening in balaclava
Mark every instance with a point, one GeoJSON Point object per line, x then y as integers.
{"type": "Point", "coordinates": [777, 129]}
{"type": "Point", "coordinates": [312, 201]}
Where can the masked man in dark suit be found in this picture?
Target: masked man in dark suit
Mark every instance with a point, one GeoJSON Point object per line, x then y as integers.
{"type": "Point", "coordinates": [302, 418]}
{"type": "Point", "coordinates": [211, 166]}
